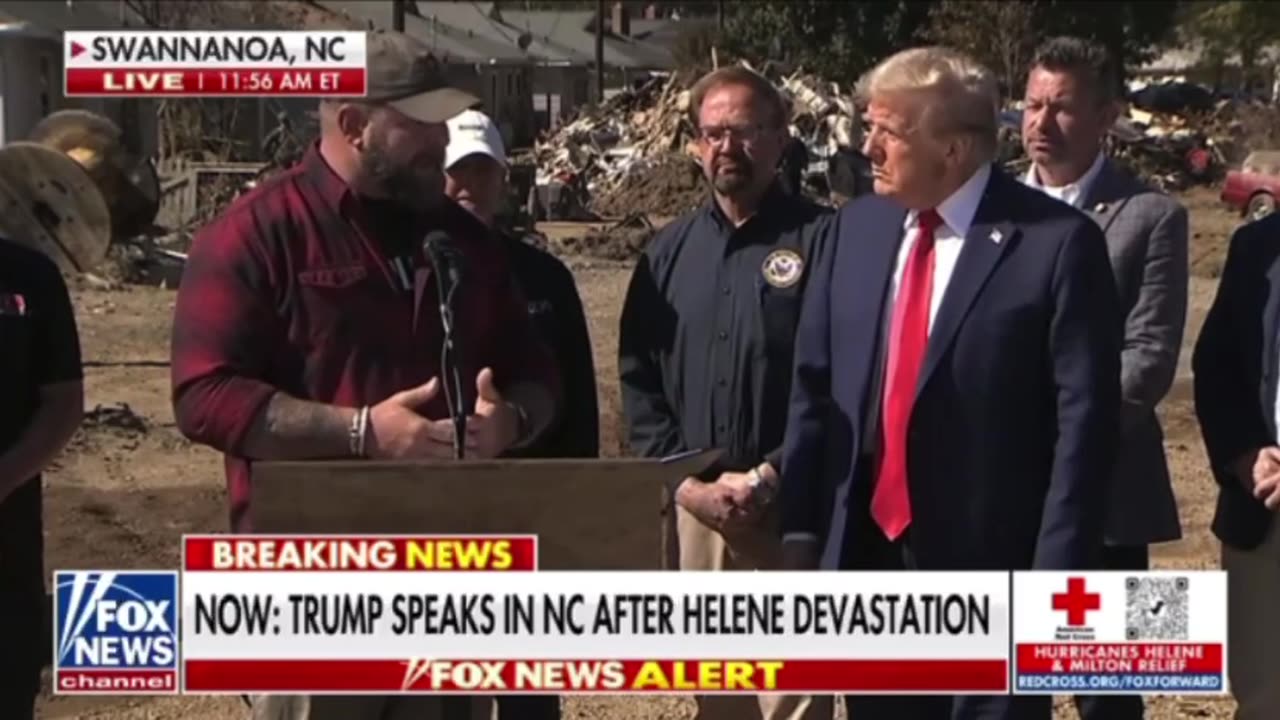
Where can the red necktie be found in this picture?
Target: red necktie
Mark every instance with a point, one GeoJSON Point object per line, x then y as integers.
{"type": "Point", "coordinates": [908, 338]}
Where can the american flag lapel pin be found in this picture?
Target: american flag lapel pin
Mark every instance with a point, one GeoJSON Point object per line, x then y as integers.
{"type": "Point", "coordinates": [13, 304]}
{"type": "Point", "coordinates": [996, 236]}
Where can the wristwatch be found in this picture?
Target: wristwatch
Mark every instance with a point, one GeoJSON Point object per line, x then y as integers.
{"type": "Point", "coordinates": [763, 491]}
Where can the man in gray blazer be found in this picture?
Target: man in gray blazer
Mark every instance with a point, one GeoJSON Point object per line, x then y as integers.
{"type": "Point", "coordinates": [1072, 99]}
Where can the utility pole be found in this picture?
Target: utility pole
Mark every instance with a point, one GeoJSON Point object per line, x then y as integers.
{"type": "Point", "coordinates": [397, 15]}
{"type": "Point", "coordinates": [600, 50]}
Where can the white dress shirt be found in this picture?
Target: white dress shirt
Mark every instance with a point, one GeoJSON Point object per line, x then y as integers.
{"type": "Point", "coordinates": [957, 213]}
{"type": "Point", "coordinates": [1071, 193]}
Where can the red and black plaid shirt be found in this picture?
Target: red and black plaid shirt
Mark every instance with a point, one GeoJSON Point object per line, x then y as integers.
{"type": "Point", "coordinates": [290, 290]}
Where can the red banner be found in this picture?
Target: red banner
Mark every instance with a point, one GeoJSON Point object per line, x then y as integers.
{"type": "Point", "coordinates": [606, 676]}
{"type": "Point", "coordinates": [320, 553]}
{"type": "Point", "coordinates": [144, 81]}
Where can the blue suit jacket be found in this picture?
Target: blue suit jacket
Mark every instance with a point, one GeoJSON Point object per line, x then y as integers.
{"type": "Point", "coordinates": [1235, 366]}
{"type": "Point", "coordinates": [1012, 434]}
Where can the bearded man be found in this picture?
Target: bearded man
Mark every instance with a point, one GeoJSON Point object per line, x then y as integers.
{"type": "Point", "coordinates": [306, 324]}
{"type": "Point", "coordinates": [706, 338]}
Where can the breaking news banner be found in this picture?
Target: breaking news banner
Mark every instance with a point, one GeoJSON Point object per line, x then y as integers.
{"type": "Point", "coordinates": [115, 631]}
{"type": "Point", "coordinates": [387, 615]}
{"type": "Point", "coordinates": [154, 63]}
{"type": "Point", "coordinates": [1152, 633]}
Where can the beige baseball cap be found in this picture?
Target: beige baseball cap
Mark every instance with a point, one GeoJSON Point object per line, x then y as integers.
{"type": "Point", "coordinates": [471, 132]}
{"type": "Point", "coordinates": [403, 74]}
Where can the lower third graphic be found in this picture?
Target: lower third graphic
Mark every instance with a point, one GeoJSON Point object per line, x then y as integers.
{"type": "Point", "coordinates": [115, 632]}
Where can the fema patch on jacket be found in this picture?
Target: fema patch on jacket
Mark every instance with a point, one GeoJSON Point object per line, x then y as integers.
{"type": "Point", "coordinates": [782, 268]}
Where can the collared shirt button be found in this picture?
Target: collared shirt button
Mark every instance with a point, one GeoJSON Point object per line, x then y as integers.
{"type": "Point", "coordinates": [722, 382]}
{"type": "Point", "coordinates": [724, 335]}
{"type": "Point", "coordinates": [726, 289]}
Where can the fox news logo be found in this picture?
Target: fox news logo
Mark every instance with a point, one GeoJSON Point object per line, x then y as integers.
{"type": "Point", "coordinates": [115, 632]}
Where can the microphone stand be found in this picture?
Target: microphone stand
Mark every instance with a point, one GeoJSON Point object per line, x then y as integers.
{"type": "Point", "coordinates": [449, 361]}
{"type": "Point", "coordinates": [452, 708]}
{"type": "Point", "coordinates": [445, 265]}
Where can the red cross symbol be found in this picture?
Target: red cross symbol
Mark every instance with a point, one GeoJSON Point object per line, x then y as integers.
{"type": "Point", "coordinates": [1076, 601]}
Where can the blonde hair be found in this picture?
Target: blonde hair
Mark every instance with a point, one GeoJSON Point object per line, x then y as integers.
{"type": "Point", "coordinates": [965, 96]}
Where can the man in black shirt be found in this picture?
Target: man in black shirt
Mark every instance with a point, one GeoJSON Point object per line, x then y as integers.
{"type": "Point", "coordinates": [706, 340]}
{"type": "Point", "coordinates": [41, 404]}
{"type": "Point", "coordinates": [475, 178]}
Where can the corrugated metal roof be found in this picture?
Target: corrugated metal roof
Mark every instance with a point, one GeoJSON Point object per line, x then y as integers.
{"type": "Point", "coordinates": [55, 16]}
{"type": "Point", "coordinates": [476, 17]}
{"type": "Point", "coordinates": [574, 30]}
{"type": "Point", "coordinates": [452, 43]}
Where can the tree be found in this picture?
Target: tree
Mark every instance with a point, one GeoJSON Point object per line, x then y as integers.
{"type": "Point", "coordinates": [1004, 35]}
{"type": "Point", "coordinates": [836, 40]}
{"type": "Point", "coordinates": [1001, 35]}
{"type": "Point", "coordinates": [1134, 32]}
{"type": "Point", "coordinates": [1223, 29]}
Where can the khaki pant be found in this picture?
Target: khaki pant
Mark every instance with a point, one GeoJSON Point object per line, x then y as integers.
{"type": "Point", "coordinates": [701, 548]}
{"type": "Point", "coordinates": [1253, 627]}
{"type": "Point", "coordinates": [358, 707]}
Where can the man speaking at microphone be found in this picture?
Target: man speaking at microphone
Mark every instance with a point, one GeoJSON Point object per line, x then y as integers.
{"type": "Point", "coordinates": [307, 325]}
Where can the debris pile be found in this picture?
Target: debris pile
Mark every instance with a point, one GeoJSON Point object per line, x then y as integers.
{"type": "Point", "coordinates": [623, 240]}
{"type": "Point", "coordinates": [629, 153]}
{"type": "Point", "coordinates": [667, 186]}
{"type": "Point", "coordinates": [119, 417]}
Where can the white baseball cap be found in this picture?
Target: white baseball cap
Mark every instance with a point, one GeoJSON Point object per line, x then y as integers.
{"type": "Point", "coordinates": [471, 131]}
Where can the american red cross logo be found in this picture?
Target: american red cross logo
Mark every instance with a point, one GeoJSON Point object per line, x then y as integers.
{"type": "Point", "coordinates": [1076, 601]}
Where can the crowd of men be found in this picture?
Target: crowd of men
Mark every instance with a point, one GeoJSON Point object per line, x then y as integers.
{"type": "Point", "coordinates": [957, 370]}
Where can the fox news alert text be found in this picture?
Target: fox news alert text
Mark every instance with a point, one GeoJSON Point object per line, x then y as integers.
{"type": "Point", "coordinates": [283, 614]}
{"type": "Point", "coordinates": [147, 63]}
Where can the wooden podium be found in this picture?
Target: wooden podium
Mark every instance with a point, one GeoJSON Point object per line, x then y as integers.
{"type": "Point", "coordinates": [588, 514]}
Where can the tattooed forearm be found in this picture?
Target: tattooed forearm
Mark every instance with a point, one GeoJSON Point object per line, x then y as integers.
{"type": "Point", "coordinates": [292, 429]}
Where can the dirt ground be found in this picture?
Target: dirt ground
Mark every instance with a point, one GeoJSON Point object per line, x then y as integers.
{"type": "Point", "coordinates": [129, 484]}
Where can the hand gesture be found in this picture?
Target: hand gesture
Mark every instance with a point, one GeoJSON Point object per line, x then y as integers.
{"type": "Point", "coordinates": [712, 503]}
{"type": "Point", "coordinates": [746, 506]}
{"type": "Point", "coordinates": [495, 425]}
{"type": "Point", "coordinates": [1264, 476]}
{"type": "Point", "coordinates": [397, 431]}
{"type": "Point", "coordinates": [1259, 472]}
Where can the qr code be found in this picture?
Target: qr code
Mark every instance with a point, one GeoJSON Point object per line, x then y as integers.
{"type": "Point", "coordinates": [1156, 608]}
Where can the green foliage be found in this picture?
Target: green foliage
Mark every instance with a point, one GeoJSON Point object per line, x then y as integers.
{"type": "Point", "coordinates": [842, 40]}
{"type": "Point", "coordinates": [1133, 31]}
{"type": "Point", "coordinates": [1224, 29]}
{"type": "Point", "coordinates": [836, 40]}
{"type": "Point", "coordinates": [1000, 35]}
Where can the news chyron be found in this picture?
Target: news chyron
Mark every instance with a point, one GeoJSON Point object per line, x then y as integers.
{"type": "Point", "coordinates": [115, 632]}
{"type": "Point", "coordinates": [166, 63]}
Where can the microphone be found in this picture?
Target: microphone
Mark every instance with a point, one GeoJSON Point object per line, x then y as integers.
{"type": "Point", "coordinates": [446, 259]}
{"type": "Point", "coordinates": [447, 265]}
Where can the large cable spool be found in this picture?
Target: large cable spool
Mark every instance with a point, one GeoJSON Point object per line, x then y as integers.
{"type": "Point", "coordinates": [73, 188]}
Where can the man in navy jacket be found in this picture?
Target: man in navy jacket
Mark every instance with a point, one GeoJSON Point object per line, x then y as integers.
{"type": "Point", "coordinates": [1235, 365]}
{"type": "Point", "coordinates": [956, 393]}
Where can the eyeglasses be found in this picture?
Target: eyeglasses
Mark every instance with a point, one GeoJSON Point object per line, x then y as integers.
{"type": "Point", "coordinates": [744, 134]}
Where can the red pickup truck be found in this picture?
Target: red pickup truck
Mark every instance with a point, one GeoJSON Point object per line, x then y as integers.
{"type": "Point", "coordinates": [1253, 189]}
